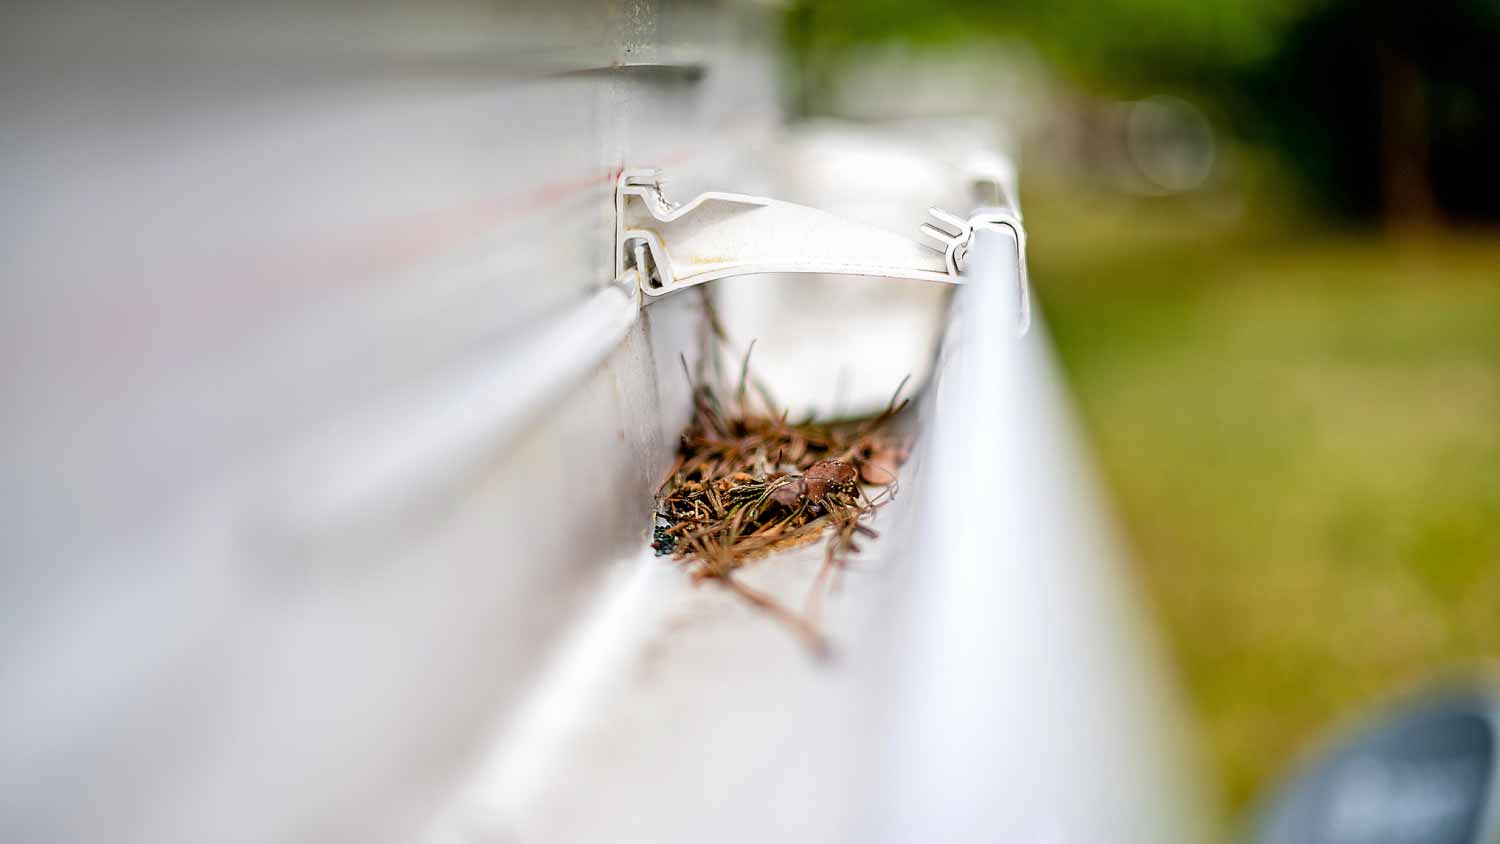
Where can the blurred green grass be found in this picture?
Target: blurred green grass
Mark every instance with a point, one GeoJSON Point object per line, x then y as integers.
{"type": "Point", "coordinates": [1301, 429]}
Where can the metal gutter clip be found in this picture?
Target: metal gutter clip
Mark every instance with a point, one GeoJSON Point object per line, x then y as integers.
{"type": "Point", "coordinates": [668, 246]}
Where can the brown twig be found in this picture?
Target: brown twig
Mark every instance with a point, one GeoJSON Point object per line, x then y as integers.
{"type": "Point", "coordinates": [748, 483]}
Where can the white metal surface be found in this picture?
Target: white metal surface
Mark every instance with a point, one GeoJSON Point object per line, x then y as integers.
{"type": "Point", "coordinates": [719, 234]}
{"type": "Point", "coordinates": [1027, 702]}
{"type": "Point", "coordinates": [329, 450]}
{"type": "Point", "coordinates": [286, 287]}
{"type": "Point", "coordinates": [883, 177]}
{"type": "Point", "coordinates": [670, 246]}
{"type": "Point", "coordinates": [991, 679]}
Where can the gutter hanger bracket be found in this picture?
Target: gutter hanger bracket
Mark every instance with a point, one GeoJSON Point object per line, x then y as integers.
{"type": "Point", "coordinates": [668, 246]}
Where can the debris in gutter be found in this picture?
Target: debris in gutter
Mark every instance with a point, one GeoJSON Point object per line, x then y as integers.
{"type": "Point", "coordinates": [748, 482]}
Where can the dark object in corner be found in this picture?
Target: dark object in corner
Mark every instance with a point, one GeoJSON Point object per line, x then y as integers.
{"type": "Point", "coordinates": [1424, 774]}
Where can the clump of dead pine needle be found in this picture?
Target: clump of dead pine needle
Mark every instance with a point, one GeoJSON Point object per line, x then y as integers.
{"type": "Point", "coordinates": [748, 482]}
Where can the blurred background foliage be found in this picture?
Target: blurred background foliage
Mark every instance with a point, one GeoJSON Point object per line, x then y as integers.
{"type": "Point", "coordinates": [1379, 108]}
{"type": "Point", "coordinates": [1278, 304]}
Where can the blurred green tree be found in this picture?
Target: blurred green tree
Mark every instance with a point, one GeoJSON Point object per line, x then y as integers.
{"type": "Point", "coordinates": [1385, 110]}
